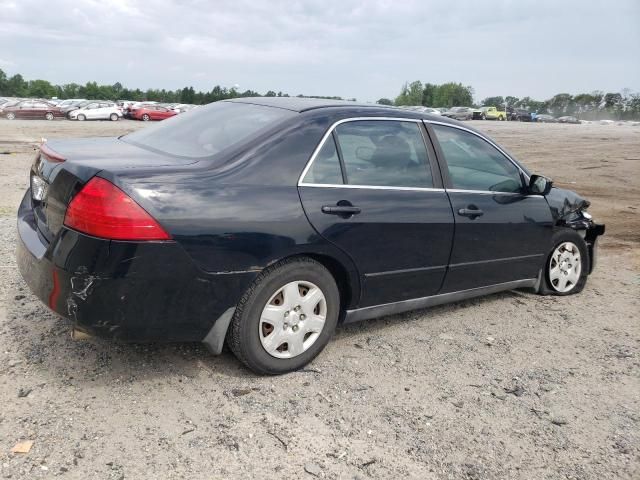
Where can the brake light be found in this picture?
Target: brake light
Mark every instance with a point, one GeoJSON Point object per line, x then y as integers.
{"type": "Point", "coordinates": [103, 210]}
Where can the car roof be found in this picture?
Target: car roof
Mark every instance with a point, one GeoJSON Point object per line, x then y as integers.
{"type": "Point", "coordinates": [299, 104]}
{"type": "Point", "coordinates": [342, 107]}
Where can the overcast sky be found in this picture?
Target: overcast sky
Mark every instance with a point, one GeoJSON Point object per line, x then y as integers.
{"type": "Point", "coordinates": [365, 49]}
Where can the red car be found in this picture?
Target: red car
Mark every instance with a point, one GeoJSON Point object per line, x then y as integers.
{"type": "Point", "coordinates": [33, 109]}
{"type": "Point", "coordinates": [152, 112]}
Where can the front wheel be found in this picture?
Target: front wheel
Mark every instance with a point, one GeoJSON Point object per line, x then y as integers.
{"type": "Point", "coordinates": [146, 118]}
{"type": "Point", "coordinates": [567, 265]}
{"type": "Point", "coordinates": [48, 116]}
{"type": "Point", "coordinates": [286, 317]}
{"type": "Point", "coordinates": [81, 118]}
{"type": "Point", "coordinates": [11, 116]}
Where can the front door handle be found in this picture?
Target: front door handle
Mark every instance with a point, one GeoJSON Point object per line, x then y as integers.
{"type": "Point", "coordinates": [340, 210]}
{"type": "Point", "coordinates": [470, 212]}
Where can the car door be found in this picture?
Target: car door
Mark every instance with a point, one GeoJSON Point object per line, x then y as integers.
{"type": "Point", "coordinates": [38, 110]}
{"type": "Point", "coordinates": [373, 189]}
{"type": "Point", "coordinates": [92, 110]}
{"type": "Point", "coordinates": [502, 234]}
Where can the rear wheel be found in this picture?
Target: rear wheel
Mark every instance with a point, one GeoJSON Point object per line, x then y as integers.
{"type": "Point", "coordinates": [567, 265]}
{"type": "Point", "coordinates": [48, 116]}
{"type": "Point", "coordinates": [81, 117]}
{"type": "Point", "coordinates": [146, 117]}
{"type": "Point", "coordinates": [114, 117]}
{"type": "Point", "coordinates": [11, 116]}
{"type": "Point", "coordinates": [286, 317]}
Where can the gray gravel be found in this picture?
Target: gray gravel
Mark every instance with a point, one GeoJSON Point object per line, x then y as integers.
{"type": "Point", "coordinates": [509, 386]}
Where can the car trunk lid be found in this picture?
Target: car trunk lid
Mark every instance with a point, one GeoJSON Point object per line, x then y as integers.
{"type": "Point", "coordinates": [62, 168]}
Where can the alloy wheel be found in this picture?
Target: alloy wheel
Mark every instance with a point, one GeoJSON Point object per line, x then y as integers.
{"type": "Point", "coordinates": [292, 319]}
{"type": "Point", "coordinates": [565, 267]}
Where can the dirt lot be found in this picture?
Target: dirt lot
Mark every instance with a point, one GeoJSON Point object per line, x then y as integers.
{"type": "Point", "coordinates": [509, 386]}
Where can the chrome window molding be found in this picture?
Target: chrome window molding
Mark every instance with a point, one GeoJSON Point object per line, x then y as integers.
{"type": "Point", "coordinates": [330, 131]}
{"type": "Point", "coordinates": [370, 187]}
{"type": "Point", "coordinates": [491, 192]}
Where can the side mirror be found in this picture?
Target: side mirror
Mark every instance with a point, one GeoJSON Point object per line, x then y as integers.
{"type": "Point", "coordinates": [539, 185]}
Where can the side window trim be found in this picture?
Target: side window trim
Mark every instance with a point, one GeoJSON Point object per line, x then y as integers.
{"type": "Point", "coordinates": [331, 133]}
{"type": "Point", "coordinates": [343, 169]}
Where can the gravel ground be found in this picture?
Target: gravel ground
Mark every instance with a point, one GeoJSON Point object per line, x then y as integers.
{"type": "Point", "coordinates": [509, 386]}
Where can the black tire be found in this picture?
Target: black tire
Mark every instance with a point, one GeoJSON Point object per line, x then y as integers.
{"type": "Point", "coordinates": [48, 116]}
{"type": "Point", "coordinates": [146, 118]}
{"type": "Point", "coordinates": [11, 116]}
{"type": "Point", "coordinates": [243, 336]}
{"type": "Point", "coordinates": [114, 117]}
{"type": "Point", "coordinates": [81, 117]}
{"type": "Point", "coordinates": [559, 237]}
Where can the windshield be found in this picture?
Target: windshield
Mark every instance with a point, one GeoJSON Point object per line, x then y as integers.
{"type": "Point", "coordinates": [205, 131]}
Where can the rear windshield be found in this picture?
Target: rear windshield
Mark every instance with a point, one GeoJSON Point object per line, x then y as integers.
{"type": "Point", "coordinates": [205, 131]}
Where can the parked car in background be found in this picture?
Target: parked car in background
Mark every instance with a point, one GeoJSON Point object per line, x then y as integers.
{"type": "Point", "coordinates": [544, 118]}
{"type": "Point", "coordinates": [71, 102]}
{"type": "Point", "coordinates": [492, 113]}
{"type": "Point", "coordinates": [568, 119]}
{"type": "Point", "coordinates": [99, 110]}
{"type": "Point", "coordinates": [152, 112]}
{"type": "Point", "coordinates": [236, 221]}
{"type": "Point", "coordinates": [519, 114]}
{"type": "Point", "coordinates": [459, 113]}
{"type": "Point", "coordinates": [423, 109]}
{"type": "Point", "coordinates": [33, 109]}
{"type": "Point", "coordinates": [74, 105]}
{"type": "Point", "coordinates": [476, 114]}
{"type": "Point", "coordinates": [129, 111]}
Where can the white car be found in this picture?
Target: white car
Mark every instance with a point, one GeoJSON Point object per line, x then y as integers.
{"type": "Point", "coordinates": [97, 111]}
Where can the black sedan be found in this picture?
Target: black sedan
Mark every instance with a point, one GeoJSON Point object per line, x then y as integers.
{"type": "Point", "coordinates": [267, 221]}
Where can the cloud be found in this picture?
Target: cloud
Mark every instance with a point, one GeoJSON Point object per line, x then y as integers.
{"type": "Point", "coordinates": [353, 48]}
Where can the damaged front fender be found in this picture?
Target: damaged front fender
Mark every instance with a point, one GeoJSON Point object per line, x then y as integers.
{"type": "Point", "coordinates": [569, 210]}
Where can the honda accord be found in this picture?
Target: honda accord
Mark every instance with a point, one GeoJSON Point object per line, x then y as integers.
{"type": "Point", "coordinates": [267, 221]}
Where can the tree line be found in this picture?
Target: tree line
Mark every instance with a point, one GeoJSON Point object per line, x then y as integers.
{"type": "Point", "coordinates": [17, 86]}
{"type": "Point", "coordinates": [624, 105]}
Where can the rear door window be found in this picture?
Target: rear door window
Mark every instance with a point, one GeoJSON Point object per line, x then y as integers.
{"type": "Point", "coordinates": [325, 168]}
{"type": "Point", "coordinates": [385, 153]}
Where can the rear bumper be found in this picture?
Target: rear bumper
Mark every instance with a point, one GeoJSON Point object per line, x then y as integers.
{"type": "Point", "coordinates": [131, 291]}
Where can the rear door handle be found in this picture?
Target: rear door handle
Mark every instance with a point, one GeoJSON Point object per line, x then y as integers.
{"type": "Point", "coordinates": [340, 210]}
{"type": "Point", "coordinates": [470, 212]}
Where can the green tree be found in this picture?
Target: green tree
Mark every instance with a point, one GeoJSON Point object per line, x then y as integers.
{"type": "Point", "coordinates": [41, 89]}
{"type": "Point", "coordinates": [453, 95]}
{"type": "Point", "coordinates": [411, 94]}
{"type": "Point", "coordinates": [493, 102]}
{"type": "Point", "coordinates": [3, 83]}
{"type": "Point", "coordinates": [429, 94]}
{"type": "Point", "coordinates": [17, 87]}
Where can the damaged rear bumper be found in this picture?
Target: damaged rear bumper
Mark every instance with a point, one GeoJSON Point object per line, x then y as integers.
{"type": "Point", "coordinates": [130, 291]}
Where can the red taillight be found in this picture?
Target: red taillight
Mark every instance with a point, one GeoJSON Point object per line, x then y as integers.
{"type": "Point", "coordinates": [103, 210]}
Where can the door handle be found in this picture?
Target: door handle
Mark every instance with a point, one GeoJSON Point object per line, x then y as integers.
{"type": "Point", "coordinates": [341, 210]}
{"type": "Point", "coordinates": [470, 212]}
